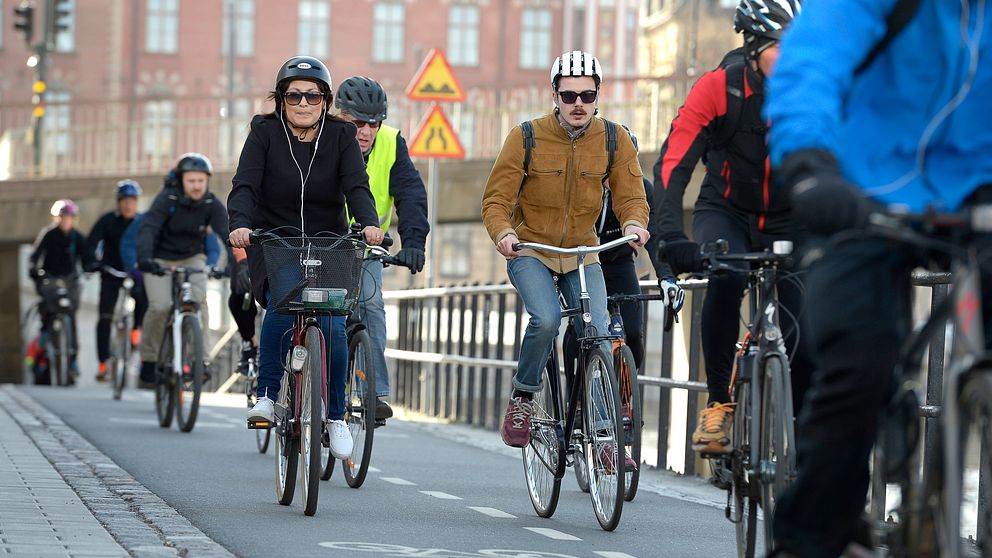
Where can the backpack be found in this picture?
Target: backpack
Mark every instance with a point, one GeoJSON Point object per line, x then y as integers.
{"type": "Point", "coordinates": [527, 129]}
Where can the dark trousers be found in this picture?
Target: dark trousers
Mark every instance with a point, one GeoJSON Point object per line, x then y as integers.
{"type": "Point", "coordinates": [621, 278]}
{"type": "Point", "coordinates": [109, 292]}
{"type": "Point", "coordinates": [721, 318]}
{"type": "Point", "coordinates": [244, 312]}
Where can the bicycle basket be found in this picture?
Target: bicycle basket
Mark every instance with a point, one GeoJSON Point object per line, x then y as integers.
{"type": "Point", "coordinates": [59, 295]}
{"type": "Point", "coordinates": [313, 273]}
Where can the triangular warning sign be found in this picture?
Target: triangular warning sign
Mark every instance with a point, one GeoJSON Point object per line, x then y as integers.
{"type": "Point", "coordinates": [435, 81]}
{"type": "Point", "coordinates": [436, 137]}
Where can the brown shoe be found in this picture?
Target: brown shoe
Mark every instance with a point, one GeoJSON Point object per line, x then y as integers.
{"type": "Point", "coordinates": [516, 422]}
{"type": "Point", "coordinates": [712, 435]}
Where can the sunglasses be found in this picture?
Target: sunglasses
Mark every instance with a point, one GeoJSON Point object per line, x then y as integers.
{"type": "Point", "coordinates": [568, 97]}
{"type": "Point", "coordinates": [362, 124]}
{"type": "Point", "coordinates": [294, 98]}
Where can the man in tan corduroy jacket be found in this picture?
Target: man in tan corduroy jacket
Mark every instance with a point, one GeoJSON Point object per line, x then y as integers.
{"type": "Point", "coordinates": [557, 203]}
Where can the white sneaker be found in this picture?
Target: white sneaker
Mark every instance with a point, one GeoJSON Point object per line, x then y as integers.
{"type": "Point", "coordinates": [262, 411]}
{"type": "Point", "coordinates": [341, 443]}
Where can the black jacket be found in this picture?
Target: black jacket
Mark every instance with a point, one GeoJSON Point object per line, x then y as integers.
{"type": "Point", "coordinates": [608, 228]}
{"type": "Point", "coordinates": [174, 227]}
{"type": "Point", "coordinates": [109, 230]}
{"type": "Point", "coordinates": [410, 198]}
{"type": "Point", "coordinates": [58, 254]}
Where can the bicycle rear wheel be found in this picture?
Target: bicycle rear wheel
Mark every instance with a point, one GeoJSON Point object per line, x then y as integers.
{"type": "Point", "coordinates": [630, 414]}
{"type": "Point", "coordinates": [777, 455]}
{"type": "Point", "coordinates": [190, 384]}
{"type": "Point", "coordinates": [311, 419]}
{"type": "Point", "coordinates": [570, 350]}
{"type": "Point", "coordinates": [969, 533]}
{"type": "Point", "coordinates": [743, 499]}
{"type": "Point", "coordinates": [287, 449]}
{"type": "Point", "coordinates": [544, 454]}
{"type": "Point", "coordinates": [360, 401]}
{"type": "Point", "coordinates": [165, 376]}
{"type": "Point", "coordinates": [604, 438]}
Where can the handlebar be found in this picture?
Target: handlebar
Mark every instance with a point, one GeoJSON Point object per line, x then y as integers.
{"type": "Point", "coordinates": [577, 251]}
{"type": "Point", "coordinates": [263, 235]}
{"type": "Point", "coordinates": [716, 256]}
{"type": "Point", "coordinates": [114, 272]}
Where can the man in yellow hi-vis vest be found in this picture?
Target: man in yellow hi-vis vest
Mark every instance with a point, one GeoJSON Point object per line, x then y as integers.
{"type": "Point", "coordinates": [393, 180]}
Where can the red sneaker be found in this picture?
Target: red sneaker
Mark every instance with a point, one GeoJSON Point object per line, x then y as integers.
{"type": "Point", "coordinates": [101, 372]}
{"type": "Point", "coordinates": [515, 430]}
{"type": "Point", "coordinates": [608, 457]}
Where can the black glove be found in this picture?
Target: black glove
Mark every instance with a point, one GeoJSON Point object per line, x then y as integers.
{"type": "Point", "coordinates": [35, 274]}
{"type": "Point", "coordinates": [683, 256]}
{"type": "Point", "coordinates": [240, 281]}
{"type": "Point", "coordinates": [150, 266]}
{"type": "Point", "coordinates": [822, 200]}
{"type": "Point", "coordinates": [412, 258]}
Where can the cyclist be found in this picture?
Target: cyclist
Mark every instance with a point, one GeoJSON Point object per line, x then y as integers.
{"type": "Point", "coordinates": [242, 306]}
{"type": "Point", "coordinates": [392, 178]}
{"type": "Point", "coordinates": [172, 233]}
{"type": "Point", "coordinates": [298, 167]}
{"type": "Point", "coordinates": [59, 251]}
{"type": "Point", "coordinates": [737, 202]}
{"type": "Point", "coordinates": [870, 115]}
{"type": "Point", "coordinates": [105, 238]}
{"type": "Point", "coordinates": [557, 202]}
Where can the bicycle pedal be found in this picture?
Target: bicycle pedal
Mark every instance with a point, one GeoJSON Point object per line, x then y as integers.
{"type": "Point", "coordinates": [260, 424]}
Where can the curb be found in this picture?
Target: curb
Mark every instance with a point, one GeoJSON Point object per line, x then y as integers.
{"type": "Point", "coordinates": [141, 522]}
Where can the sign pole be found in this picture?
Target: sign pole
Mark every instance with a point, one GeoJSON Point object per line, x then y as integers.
{"type": "Point", "coordinates": [432, 179]}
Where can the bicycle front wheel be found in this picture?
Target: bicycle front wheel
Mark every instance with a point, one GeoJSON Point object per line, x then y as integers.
{"type": "Point", "coordinates": [967, 512]}
{"type": "Point", "coordinates": [777, 455]}
{"type": "Point", "coordinates": [262, 435]}
{"type": "Point", "coordinates": [743, 497]}
{"type": "Point", "coordinates": [59, 339]}
{"type": "Point", "coordinates": [360, 402]}
{"type": "Point", "coordinates": [122, 355]}
{"type": "Point", "coordinates": [287, 440]}
{"type": "Point", "coordinates": [311, 420]}
{"type": "Point", "coordinates": [164, 378]}
{"type": "Point", "coordinates": [630, 414]}
{"type": "Point", "coordinates": [544, 454]}
{"type": "Point", "coordinates": [189, 387]}
{"type": "Point", "coordinates": [603, 438]}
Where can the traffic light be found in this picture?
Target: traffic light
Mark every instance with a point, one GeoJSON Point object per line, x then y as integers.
{"type": "Point", "coordinates": [24, 20]}
{"type": "Point", "coordinates": [61, 16]}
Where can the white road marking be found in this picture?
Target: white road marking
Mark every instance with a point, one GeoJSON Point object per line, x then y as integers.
{"type": "Point", "coordinates": [374, 469]}
{"type": "Point", "coordinates": [552, 534]}
{"type": "Point", "coordinates": [611, 554]}
{"type": "Point", "coordinates": [493, 512]}
{"type": "Point", "coordinates": [399, 481]}
{"type": "Point", "coordinates": [440, 495]}
{"type": "Point", "coordinates": [152, 422]}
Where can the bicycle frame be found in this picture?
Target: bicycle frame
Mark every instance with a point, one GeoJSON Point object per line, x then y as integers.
{"type": "Point", "coordinates": [183, 304]}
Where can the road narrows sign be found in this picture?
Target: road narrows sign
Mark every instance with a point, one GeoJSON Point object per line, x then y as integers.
{"type": "Point", "coordinates": [436, 137]}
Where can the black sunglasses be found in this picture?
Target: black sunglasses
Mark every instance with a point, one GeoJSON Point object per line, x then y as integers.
{"type": "Point", "coordinates": [294, 98]}
{"type": "Point", "coordinates": [568, 97]}
{"type": "Point", "coordinates": [362, 124]}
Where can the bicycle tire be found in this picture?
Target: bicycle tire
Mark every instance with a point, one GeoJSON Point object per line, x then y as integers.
{"type": "Point", "coordinates": [59, 339]}
{"type": "Point", "coordinates": [164, 378]}
{"type": "Point", "coordinates": [544, 455]}
{"type": "Point", "coordinates": [262, 435]}
{"type": "Point", "coordinates": [360, 401]}
{"type": "Point", "coordinates": [189, 388]}
{"type": "Point", "coordinates": [630, 399]}
{"type": "Point", "coordinates": [311, 419]}
{"type": "Point", "coordinates": [579, 464]}
{"type": "Point", "coordinates": [603, 428]}
{"type": "Point", "coordinates": [287, 442]}
{"type": "Point", "coordinates": [744, 513]}
{"type": "Point", "coordinates": [328, 460]}
{"type": "Point", "coordinates": [122, 356]}
{"type": "Point", "coordinates": [777, 455]}
{"type": "Point", "coordinates": [570, 346]}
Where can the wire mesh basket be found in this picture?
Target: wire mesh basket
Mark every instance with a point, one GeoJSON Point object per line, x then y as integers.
{"type": "Point", "coordinates": [313, 273]}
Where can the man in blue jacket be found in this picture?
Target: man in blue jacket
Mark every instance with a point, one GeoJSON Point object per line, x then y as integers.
{"type": "Point", "coordinates": [907, 125]}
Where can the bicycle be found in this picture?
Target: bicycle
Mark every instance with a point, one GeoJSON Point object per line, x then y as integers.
{"type": "Point", "coordinates": [59, 300]}
{"type": "Point", "coordinates": [180, 370]}
{"type": "Point", "coordinates": [762, 457]}
{"type": "Point", "coordinates": [262, 435]}
{"type": "Point", "coordinates": [314, 278]}
{"type": "Point", "coordinates": [360, 393]}
{"type": "Point", "coordinates": [120, 331]}
{"type": "Point", "coordinates": [546, 455]}
{"type": "Point", "coordinates": [929, 519]}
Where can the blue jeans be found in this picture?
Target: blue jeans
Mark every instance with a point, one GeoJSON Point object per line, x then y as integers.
{"type": "Point", "coordinates": [373, 313]}
{"type": "Point", "coordinates": [275, 341]}
{"type": "Point", "coordinates": [535, 285]}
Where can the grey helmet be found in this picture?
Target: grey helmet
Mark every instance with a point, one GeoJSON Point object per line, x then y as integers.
{"type": "Point", "coordinates": [363, 98]}
{"type": "Point", "coordinates": [763, 22]}
{"type": "Point", "coordinates": [304, 67]}
{"type": "Point", "coordinates": [193, 162]}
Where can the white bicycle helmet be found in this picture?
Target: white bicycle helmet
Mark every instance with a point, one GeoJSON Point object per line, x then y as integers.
{"type": "Point", "coordinates": [576, 63]}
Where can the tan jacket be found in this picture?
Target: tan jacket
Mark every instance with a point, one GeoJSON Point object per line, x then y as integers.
{"type": "Point", "coordinates": [562, 197]}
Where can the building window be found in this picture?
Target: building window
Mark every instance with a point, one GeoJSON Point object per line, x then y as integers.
{"type": "Point", "coordinates": [463, 35]}
{"type": "Point", "coordinates": [606, 23]}
{"type": "Point", "coordinates": [630, 41]}
{"type": "Point", "coordinates": [314, 28]}
{"type": "Point", "coordinates": [159, 128]}
{"type": "Point", "coordinates": [579, 26]}
{"type": "Point", "coordinates": [456, 245]}
{"type": "Point", "coordinates": [243, 19]}
{"type": "Point", "coordinates": [387, 36]}
{"type": "Point", "coordinates": [57, 122]}
{"type": "Point", "coordinates": [65, 41]}
{"type": "Point", "coordinates": [162, 26]}
{"type": "Point", "coordinates": [535, 38]}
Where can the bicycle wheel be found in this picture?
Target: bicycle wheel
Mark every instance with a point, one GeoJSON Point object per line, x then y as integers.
{"type": "Point", "coordinates": [744, 513]}
{"type": "Point", "coordinates": [570, 350]}
{"type": "Point", "coordinates": [188, 389]}
{"type": "Point", "coordinates": [287, 441]}
{"type": "Point", "coordinates": [59, 340]}
{"type": "Point", "coordinates": [311, 420]}
{"type": "Point", "coordinates": [969, 533]}
{"type": "Point", "coordinates": [262, 435]}
{"type": "Point", "coordinates": [121, 345]}
{"type": "Point", "coordinates": [328, 460]}
{"type": "Point", "coordinates": [360, 401]}
{"type": "Point", "coordinates": [544, 454]}
{"type": "Point", "coordinates": [777, 447]}
{"type": "Point", "coordinates": [630, 414]}
{"type": "Point", "coordinates": [604, 438]}
{"type": "Point", "coordinates": [165, 377]}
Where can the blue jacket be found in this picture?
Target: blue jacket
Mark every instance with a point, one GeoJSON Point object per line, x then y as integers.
{"type": "Point", "coordinates": [874, 121]}
{"type": "Point", "coordinates": [129, 245]}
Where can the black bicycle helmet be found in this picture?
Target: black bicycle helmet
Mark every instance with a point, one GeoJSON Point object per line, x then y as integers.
{"type": "Point", "coordinates": [363, 98]}
{"type": "Point", "coordinates": [763, 22]}
{"type": "Point", "coordinates": [193, 162]}
{"type": "Point", "coordinates": [304, 67]}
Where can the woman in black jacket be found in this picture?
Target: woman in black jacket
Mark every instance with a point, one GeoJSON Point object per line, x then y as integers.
{"type": "Point", "coordinates": [298, 168]}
